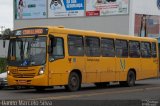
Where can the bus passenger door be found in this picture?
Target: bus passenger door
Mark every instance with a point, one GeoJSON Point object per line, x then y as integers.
{"type": "Point", "coordinates": [146, 60]}
{"type": "Point", "coordinates": [155, 59]}
{"type": "Point", "coordinates": [57, 63]}
{"type": "Point", "coordinates": [150, 63]}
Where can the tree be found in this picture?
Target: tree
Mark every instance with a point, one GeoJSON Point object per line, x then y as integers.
{"type": "Point", "coordinates": [6, 33]}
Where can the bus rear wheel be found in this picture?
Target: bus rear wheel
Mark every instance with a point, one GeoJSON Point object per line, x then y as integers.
{"type": "Point", "coordinates": [74, 82]}
{"type": "Point", "coordinates": [130, 80]}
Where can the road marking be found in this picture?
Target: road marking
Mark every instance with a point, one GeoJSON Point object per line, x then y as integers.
{"type": "Point", "coordinates": [152, 88]}
{"type": "Point", "coordinates": [95, 94]}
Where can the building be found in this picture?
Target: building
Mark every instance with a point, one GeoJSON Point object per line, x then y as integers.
{"type": "Point", "coordinates": [99, 15]}
{"type": "Point", "coordinates": [148, 12]}
{"type": "Point", "coordinates": [129, 17]}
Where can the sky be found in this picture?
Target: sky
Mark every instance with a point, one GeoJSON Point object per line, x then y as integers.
{"type": "Point", "coordinates": [6, 13]}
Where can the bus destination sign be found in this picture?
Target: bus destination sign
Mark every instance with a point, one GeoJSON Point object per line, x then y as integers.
{"type": "Point", "coordinates": [31, 31]}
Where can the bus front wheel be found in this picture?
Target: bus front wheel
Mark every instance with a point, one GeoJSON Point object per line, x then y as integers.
{"type": "Point", "coordinates": [74, 82]}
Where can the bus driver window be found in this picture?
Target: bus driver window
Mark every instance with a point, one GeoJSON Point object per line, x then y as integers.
{"type": "Point", "coordinates": [57, 48]}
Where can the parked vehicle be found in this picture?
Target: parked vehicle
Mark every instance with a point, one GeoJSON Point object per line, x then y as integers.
{"type": "Point", "coordinates": [3, 80]}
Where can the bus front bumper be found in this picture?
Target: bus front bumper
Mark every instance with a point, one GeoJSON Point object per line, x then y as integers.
{"type": "Point", "coordinates": [36, 81]}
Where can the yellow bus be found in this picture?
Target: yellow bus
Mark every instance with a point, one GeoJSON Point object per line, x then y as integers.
{"type": "Point", "coordinates": [44, 57]}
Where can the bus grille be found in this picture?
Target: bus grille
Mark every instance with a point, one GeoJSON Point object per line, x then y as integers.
{"type": "Point", "coordinates": [24, 75]}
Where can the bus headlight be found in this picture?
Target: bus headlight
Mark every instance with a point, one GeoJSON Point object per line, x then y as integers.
{"type": "Point", "coordinates": [41, 70]}
{"type": "Point", "coordinates": [8, 72]}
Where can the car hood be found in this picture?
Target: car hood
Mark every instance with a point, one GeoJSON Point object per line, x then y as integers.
{"type": "Point", "coordinates": [3, 75]}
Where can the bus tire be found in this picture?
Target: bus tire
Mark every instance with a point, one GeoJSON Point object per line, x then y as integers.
{"type": "Point", "coordinates": [74, 82]}
{"type": "Point", "coordinates": [131, 79]}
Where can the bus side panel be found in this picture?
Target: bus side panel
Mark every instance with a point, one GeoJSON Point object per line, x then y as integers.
{"type": "Point", "coordinates": [63, 68]}
{"type": "Point", "coordinates": [92, 69]}
{"type": "Point", "coordinates": [107, 69]}
{"type": "Point", "coordinates": [77, 64]}
{"type": "Point", "coordinates": [155, 67]}
{"type": "Point", "coordinates": [58, 72]}
{"type": "Point", "coordinates": [124, 65]}
{"type": "Point", "coordinates": [134, 64]}
{"type": "Point", "coordinates": [147, 67]}
{"type": "Point", "coordinates": [121, 69]}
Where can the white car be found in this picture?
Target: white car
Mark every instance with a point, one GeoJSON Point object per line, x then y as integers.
{"type": "Point", "coordinates": [4, 83]}
{"type": "Point", "coordinates": [3, 80]}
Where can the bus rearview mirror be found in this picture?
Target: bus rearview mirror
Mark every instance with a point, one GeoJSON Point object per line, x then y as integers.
{"type": "Point", "coordinates": [49, 49]}
{"type": "Point", "coordinates": [53, 41]}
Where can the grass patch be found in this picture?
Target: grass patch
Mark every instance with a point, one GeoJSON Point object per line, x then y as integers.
{"type": "Point", "coordinates": [3, 64]}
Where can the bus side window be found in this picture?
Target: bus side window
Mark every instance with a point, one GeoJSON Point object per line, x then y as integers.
{"type": "Point", "coordinates": [92, 46]}
{"type": "Point", "coordinates": [145, 49]}
{"type": "Point", "coordinates": [121, 48]}
{"type": "Point", "coordinates": [134, 49]}
{"type": "Point", "coordinates": [154, 50]}
{"type": "Point", "coordinates": [107, 47]}
{"type": "Point", "coordinates": [75, 45]}
{"type": "Point", "coordinates": [57, 49]}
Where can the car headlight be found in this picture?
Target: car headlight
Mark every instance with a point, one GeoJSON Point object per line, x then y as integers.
{"type": "Point", "coordinates": [41, 70]}
{"type": "Point", "coordinates": [3, 79]}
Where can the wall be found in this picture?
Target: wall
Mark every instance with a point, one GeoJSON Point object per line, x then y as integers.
{"type": "Point", "coordinates": [111, 24]}
{"type": "Point", "coordinates": [148, 7]}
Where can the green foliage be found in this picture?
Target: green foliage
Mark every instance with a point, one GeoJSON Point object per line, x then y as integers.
{"type": "Point", "coordinates": [3, 64]}
{"type": "Point", "coordinates": [7, 33]}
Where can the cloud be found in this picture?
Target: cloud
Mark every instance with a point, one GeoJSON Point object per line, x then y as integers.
{"type": "Point", "coordinates": [6, 13]}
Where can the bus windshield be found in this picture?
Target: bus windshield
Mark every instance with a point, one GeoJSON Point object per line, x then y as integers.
{"type": "Point", "coordinates": [27, 51]}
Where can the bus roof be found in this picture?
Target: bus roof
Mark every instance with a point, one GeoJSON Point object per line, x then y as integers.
{"type": "Point", "coordinates": [61, 29]}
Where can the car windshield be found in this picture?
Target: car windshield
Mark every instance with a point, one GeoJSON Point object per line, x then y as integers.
{"type": "Point", "coordinates": [27, 51]}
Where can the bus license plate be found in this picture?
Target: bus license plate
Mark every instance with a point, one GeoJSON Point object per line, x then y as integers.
{"type": "Point", "coordinates": [22, 82]}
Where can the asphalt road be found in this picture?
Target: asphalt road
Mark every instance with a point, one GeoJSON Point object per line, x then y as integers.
{"type": "Point", "coordinates": [145, 90]}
